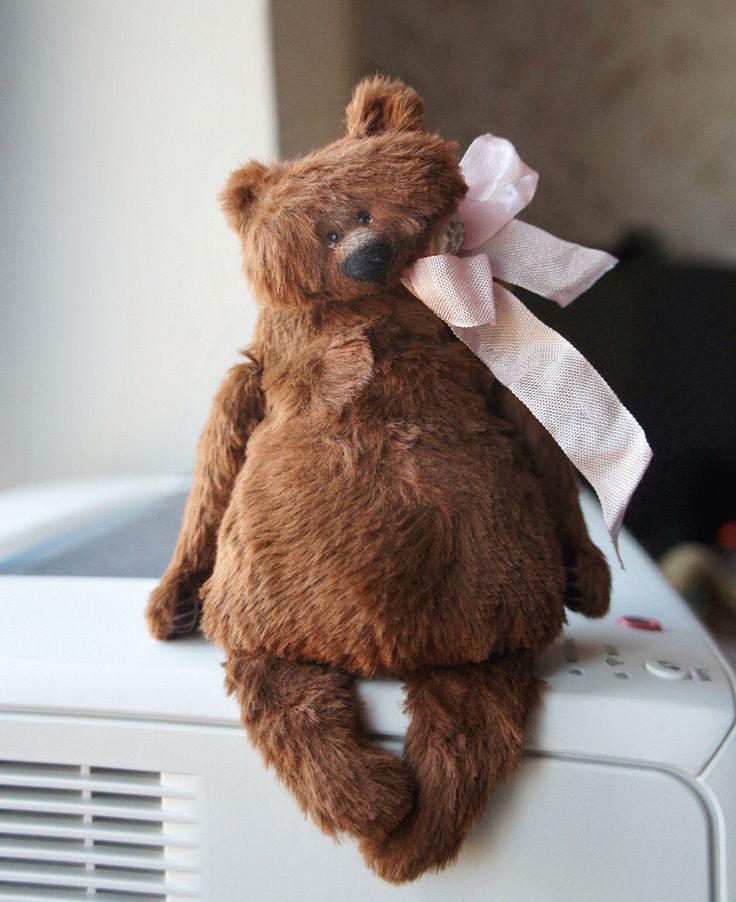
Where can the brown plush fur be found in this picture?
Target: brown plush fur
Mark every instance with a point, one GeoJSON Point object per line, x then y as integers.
{"type": "Point", "coordinates": [369, 500]}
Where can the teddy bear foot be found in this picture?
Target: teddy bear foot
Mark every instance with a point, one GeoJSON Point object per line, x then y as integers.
{"type": "Point", "coordinates": [464, 737]}
{"type": "Point", "coordinates": [401, 858]}
{"type": "Point", "coordinates": [305, 721]}
{"type": "Point", "coordinates": [383, 789]}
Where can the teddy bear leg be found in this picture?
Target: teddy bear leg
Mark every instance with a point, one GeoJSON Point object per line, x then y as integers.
{"type": "Point", "coordinates": [305, 721]}
{"type": "Point", "coordinates": [465, 736]}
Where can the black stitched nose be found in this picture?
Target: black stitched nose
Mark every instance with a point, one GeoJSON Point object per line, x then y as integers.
{"type": "Point", "coordinates": [368, 263]}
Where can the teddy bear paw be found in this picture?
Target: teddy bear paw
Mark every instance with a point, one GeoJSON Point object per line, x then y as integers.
{"type": "Point", "coordinates": [173, 610]}
{"type": "Point", "coordinates": [588, 582]}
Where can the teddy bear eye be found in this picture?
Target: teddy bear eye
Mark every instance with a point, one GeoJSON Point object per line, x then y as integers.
{"type": "Point", "coordinates": [333, 237]}
{"type": "Point", "coordinates": [365, 218]}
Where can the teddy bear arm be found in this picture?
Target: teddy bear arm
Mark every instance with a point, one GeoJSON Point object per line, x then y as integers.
{"type": "Point", "coordinates": [174, 607]}
{"type": "Point", "coordinates": [325, 377]}
{"type": "Point", "coordinates": [588, 576]}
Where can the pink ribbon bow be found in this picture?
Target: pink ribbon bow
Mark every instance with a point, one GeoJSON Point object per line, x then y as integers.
{"type": "Point", "coordinates": [546, 373]}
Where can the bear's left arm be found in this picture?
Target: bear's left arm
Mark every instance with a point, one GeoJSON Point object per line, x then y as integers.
{"type": "Point", "coordinates": [174, 607]}
{"type": "Point", "coordinates": [589, 578]}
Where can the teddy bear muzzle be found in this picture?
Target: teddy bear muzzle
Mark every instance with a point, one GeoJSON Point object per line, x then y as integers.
{"type": "Point", "coordinates": [369, 262]}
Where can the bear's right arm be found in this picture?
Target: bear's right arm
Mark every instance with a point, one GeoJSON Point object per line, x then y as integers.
{"type": "Point", "coordinates": [174, 607]}
{"type": "Point", "coordinates": [588, 575]}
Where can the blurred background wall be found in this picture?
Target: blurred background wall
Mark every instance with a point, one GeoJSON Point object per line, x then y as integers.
{"type": "Point", "coordinates": [122, 301]}
{"type": "Point", "coordinates": [628, 109]}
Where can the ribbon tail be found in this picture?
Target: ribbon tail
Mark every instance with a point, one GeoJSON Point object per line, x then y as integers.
{"type": "Point", "coordinates": [568, 397]}
{"type": "Point", "coordinates": [524, 255]}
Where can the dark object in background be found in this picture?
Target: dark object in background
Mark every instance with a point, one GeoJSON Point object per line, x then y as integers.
{"type": "Point", "coordinates": [663, 335]}
{"type": "Point", "coordinates": [706, 578]}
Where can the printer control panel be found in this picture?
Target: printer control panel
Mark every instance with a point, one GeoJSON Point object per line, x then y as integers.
{"type": "Point", "coordinates": [637, 688]}
{"type": "Point", "coordinates": [624, 658]}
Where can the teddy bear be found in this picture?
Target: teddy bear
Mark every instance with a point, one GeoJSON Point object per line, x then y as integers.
{"type": "Point", "coordinates": [369, 500]}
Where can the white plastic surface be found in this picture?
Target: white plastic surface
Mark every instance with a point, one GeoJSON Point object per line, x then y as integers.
{"type": "Point", "coordinates": [80, 646]}
{"type": "Point", "coordinates": [36, 513]}
{"type": "Point", "coordinates": [560, 831]}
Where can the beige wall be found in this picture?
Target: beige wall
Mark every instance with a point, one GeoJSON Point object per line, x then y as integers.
{"type": "Point", "coordinates": [627, 108]}
{"type": "Point", "coordinates": [122, 300]}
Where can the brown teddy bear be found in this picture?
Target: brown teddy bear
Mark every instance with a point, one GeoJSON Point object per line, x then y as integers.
{"type": "Point", "coordinates": [369, 500]}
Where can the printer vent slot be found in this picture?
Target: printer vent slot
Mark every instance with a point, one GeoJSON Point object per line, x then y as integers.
{"type": "Point", "coordinates": [78, 832]}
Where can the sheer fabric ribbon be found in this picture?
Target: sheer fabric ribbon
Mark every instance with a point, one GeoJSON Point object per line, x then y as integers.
{"type": "Point", "coordinates": [555, 382]}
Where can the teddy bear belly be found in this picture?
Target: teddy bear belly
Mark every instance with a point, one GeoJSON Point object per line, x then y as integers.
{"type": "Point", "coordinates": [421, 558]}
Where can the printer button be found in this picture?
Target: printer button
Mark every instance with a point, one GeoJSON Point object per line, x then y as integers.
{"type": "Point", "coordinates": [640, 623]}
{"type": "Point", "coordinates": [668, 670]}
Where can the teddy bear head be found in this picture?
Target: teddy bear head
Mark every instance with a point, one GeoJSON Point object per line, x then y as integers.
{"type": "Point", "coordinates": [346, 220]}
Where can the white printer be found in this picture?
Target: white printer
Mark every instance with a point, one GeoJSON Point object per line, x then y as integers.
{"type": "Point", "coordinates": [125, 775]}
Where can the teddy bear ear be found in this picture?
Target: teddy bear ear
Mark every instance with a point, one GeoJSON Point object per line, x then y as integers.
{"type": "Point", "coordinates": [240, 192]}
{"type": "Point", "coordinates": [382, 104]}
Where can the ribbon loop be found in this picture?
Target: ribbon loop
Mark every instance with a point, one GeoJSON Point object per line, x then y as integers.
{"type": "Point", "coordinates": [500, 185]}
{"type": "Point", "coordinates": [555, 382]}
